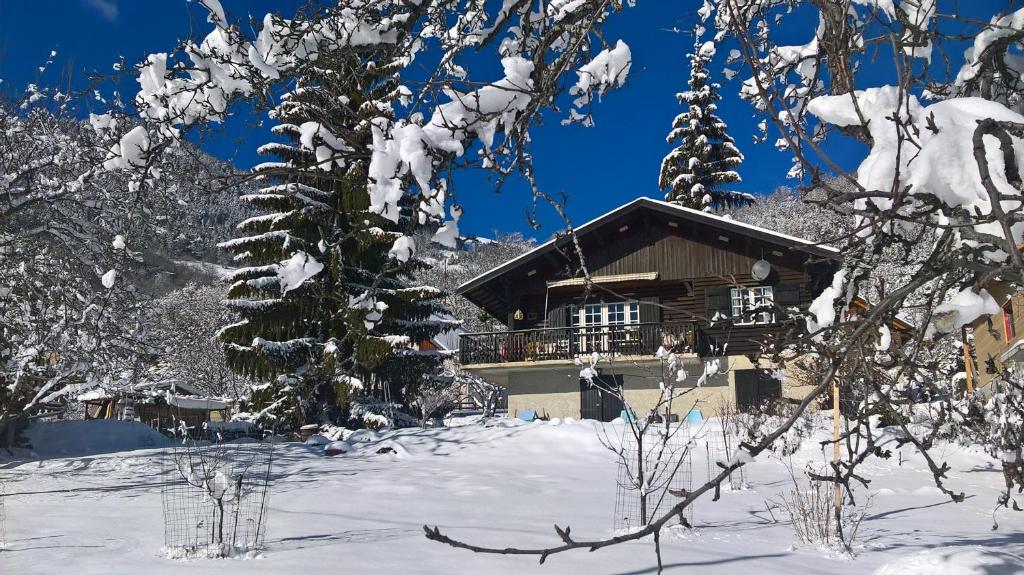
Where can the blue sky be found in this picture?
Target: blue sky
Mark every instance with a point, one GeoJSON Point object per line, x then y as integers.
{"type": "Point", "coordinates": [599, 168]}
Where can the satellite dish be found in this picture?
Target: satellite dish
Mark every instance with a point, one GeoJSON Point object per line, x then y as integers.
{"type": "Point", "coordinates": [760, 270]}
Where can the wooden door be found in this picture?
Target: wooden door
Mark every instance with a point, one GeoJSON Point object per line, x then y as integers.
{"type": "Point", "coordinates": [754, 387]}
{"type": "Point", "coordinates": [598, 403]}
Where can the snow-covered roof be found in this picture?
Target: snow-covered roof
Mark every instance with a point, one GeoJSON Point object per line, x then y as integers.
{"type": "Point", "coordinates": [177, 388]}
{"type": "Point", "coordinates": [716, 221]}
{"type": "Point", "coordinates": [447, 340]}
{"type": "Point", "coordinates": [196, 402]}
{"type": "Point", "coordinates": [97, 394]}
{"type": "Point", "coordinates": [166, 384]}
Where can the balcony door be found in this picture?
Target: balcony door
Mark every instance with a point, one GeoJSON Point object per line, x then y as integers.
{"type": "Point", "coordinates": [606, 327]}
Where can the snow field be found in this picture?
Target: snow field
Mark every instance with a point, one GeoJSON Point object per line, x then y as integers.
{"type": "Point", "coordinates": [502, 483]}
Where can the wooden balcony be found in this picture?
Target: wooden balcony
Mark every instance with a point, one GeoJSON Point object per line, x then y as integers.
{"type": "Point", "coordinates": [566, 343]}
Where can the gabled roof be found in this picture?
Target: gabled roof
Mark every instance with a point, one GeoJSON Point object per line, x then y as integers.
{"type": "Point", "coordinates": [725, 224]}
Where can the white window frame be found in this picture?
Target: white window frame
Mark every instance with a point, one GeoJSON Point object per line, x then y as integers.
{"type": "Point", "coordinates": [596, 330]}
{"type": "Point", "coordinates": [744, 300]}
{"type": "Point", "coordinates": [630, 314]}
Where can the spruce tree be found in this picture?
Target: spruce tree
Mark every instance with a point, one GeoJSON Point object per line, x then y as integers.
{"type": "Point", "coordinates": [324, 306]}
{"type": "Point", "coordinates": [706, 157]}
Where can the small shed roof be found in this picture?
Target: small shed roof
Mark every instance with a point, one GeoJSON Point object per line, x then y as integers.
{"type": "Point", "coordinates": [196, 402]}
{"type": "Point", "coordinates": [178, 393]}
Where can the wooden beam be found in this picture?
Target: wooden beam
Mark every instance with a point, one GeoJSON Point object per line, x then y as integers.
{"type": "Point", "coordinates": [968, 362]}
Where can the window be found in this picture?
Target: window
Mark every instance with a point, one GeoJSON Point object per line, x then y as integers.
{"type": "Point", "coordinates": [616, 313]}
{"type": "Point", "coordinates": [1009, 328]}
{"type": "Point", "coordinates": [607, 327]}
{"type": "Point", "coordinates": [745, 300]}
{"type": "Point", "coordinates": [621, 313]}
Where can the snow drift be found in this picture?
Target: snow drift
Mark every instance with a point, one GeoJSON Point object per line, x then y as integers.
{"type": "Point", "coordinates": [78, 438]}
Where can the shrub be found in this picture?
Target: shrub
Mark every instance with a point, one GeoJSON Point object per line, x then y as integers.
{"type": "Point", "coordinates": [811, 509]}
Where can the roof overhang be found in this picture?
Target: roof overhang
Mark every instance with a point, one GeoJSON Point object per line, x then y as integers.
{"type": "Point", "coordinates": [669, 209]}
{"type": "Point", "coordinates": [617, 278]}
{"type": "Point", "coordinates": [903, 325]}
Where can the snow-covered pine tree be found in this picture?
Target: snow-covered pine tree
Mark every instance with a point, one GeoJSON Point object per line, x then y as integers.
{"type": "Point", "coordinates": [706, 157]}
{"type": "Point", "coordinates": [319, 274]}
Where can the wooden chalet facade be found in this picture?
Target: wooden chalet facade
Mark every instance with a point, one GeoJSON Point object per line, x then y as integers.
{"type": "Point", "coordinates": [998, 338]}
{"type": "Point", "coordinates": [660, 273]}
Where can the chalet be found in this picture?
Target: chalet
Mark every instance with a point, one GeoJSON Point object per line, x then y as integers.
{"type": "Point", "coordinates": [998, 338]}
{"type": "Point", "coordinates": [660, 275]}
{"type": "Point", "coordinates": [161, 405]}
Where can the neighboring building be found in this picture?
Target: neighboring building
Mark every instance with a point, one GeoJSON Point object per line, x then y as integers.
{"type": "Point", "coordinates": [998, 338]}
{"type": "Point", "coordinates": [445, 341]}
{"type": "Point", "coordinates": [660, 272]}
{"type": "Point", "coordinates": [161, 405]}
{"type": "Point", "coordinates": [474, 396]}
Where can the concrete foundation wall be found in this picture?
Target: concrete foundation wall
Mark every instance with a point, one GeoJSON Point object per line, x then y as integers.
{"type": "Point", "coordinates": [552, 388]}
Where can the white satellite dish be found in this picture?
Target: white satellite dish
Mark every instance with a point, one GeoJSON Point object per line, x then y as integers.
{"type": "Point", "coordinates": [760, 270]}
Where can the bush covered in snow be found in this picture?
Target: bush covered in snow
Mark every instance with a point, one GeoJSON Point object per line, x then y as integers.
{"type": "Point", "coordinates": [375, 414]}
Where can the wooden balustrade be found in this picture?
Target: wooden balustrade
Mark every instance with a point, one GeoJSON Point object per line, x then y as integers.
{"type": "Point", "coordinates": [636, 339]}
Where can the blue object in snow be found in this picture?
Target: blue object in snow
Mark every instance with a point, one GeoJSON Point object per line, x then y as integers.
{"type": "Point", "coordinates": [695, 416]}
{"type": "Point", "coordinates": [626, 416]}
{"type": "Point", "coordinates": [527, 415]}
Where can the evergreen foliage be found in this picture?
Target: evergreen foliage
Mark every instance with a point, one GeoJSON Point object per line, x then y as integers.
{"type": "Point", "coordinates": [324, 302]}
{"type": "Point", "coordinates": [706, 157]}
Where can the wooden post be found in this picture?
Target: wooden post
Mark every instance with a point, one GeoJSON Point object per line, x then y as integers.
{"type": "Point", "coordinates": [968, 363]}
{"type": "Point", "coordinates": [835, 448]}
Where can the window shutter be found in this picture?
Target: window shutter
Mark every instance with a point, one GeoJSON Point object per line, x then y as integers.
{"type": "Point", "coordinates": [719, 302]}
{"type": "Point", "coordinates": [787, 295]}
{"type": "Point", "coordinates": [650, 311]}
{"type": "Point", "coordinates": [557, 316]}
{"type": "Point", "coordinates": [573, 314]}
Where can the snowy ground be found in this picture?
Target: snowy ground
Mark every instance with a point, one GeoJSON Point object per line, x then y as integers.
{"type": "Point", "coordinates": [500, 485]}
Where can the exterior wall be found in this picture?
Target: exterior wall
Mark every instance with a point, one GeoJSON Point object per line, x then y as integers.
{"type": "Point", "coordinates": [990, 340]}
{"type": "Point", "coordinates": [684, 301]}
{"type": "Point", "coordinates": [797, 382]}
{"type": "Point", "coordinates": [162, 417]}
{"type": "Point", "coordinates": [693, 260]}
{"type": "Point", "coordinates": [552, 388]}
{"type": "Point", "coordinates": [690, 259]}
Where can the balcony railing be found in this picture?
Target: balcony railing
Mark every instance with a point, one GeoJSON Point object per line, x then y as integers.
{"type": "Point", "coordinates": [637, 339]}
